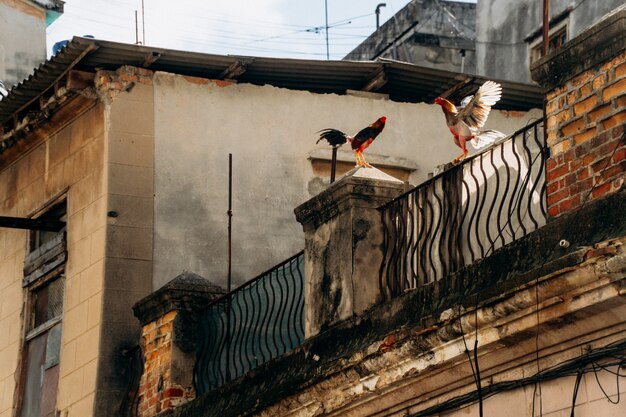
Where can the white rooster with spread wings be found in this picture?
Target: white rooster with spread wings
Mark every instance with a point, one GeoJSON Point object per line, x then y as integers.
{"type": "Point", "coordinates": [466, 120]}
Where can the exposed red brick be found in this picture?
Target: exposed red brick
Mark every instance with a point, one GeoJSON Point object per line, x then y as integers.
{"type": "Point", "coordinates": [599, 113]}
{"type": "Point", "coordinates": [575, 165]}
{"type": "Point", "coordinates": [552, 187]}
{"type": "Point", "coordinates": [613, 171]}
{"type": "Point", "coordinates": [599, 81]}
{"type": "Point", "coordinates": [620, 155]}
{"type": "Point", "coordinates": [585, 136]}
{"type": "Point", "coordinates": [582, 78]}
{"type": "Point", "coordinates": [601, 190]}
{"type": "Point", "coordinates": [573, 127]}
{"type": "Point", "coordinates": [569, 204]}
{"type": "Point", "coordinates": [551, 164]}
{"type": "Point", "coordinates": [620, 101]}
{"type": "Point", "coordinates": [571, 97]}
{"type": "Point", "coordinates": [614, 89]}
{"type": "Point", "coordinates": [585, 90]}
{"type": "Point", "coordinates": [618, 131]}
{"type": "Point", "coordinates": [557, 173]}
{"type": "Point", "coordinates": [558, 196]}
{"type": "Point", "coordinates": [581, 186]}
{"type": "Point", "coordinates": [173, 392]}
{"type": "Point", "coordinates": [615, 120]}
{"type": "Point", "coordinates": [600, 165]}
{"type": "Point", "coordinates": [582, 174]}
{"type": "Point", "coordinates": [620, 71]}
{"type": "Point", "coordinates": [553, 211]}
{"type": "Point", "coordinates": [570, 179]}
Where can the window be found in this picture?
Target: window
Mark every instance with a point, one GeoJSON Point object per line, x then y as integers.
{"type": "Point", "coordinates": [45, 283]}
{"type": "Point", "coordinates": [557, 37]}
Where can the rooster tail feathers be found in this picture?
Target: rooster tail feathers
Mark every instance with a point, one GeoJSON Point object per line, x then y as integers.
{"type": "Point", "coordinates": [334, 137]}
{"type": "Point", "coordinates": [486, 137]}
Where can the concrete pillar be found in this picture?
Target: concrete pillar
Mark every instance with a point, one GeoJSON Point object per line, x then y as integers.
{"type": "Point", "coordinates": [343, 246]}
{"type": "Point", "coordinates": [169, 318]}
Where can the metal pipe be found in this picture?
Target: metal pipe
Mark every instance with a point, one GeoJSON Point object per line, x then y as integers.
{"type": "Point", "coordinates": [378, 13]}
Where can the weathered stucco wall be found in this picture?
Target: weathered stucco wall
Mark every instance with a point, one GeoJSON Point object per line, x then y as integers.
{"type": "Point", "coordinates": [271, 132]}
{"type": "Point", "coordinates": [22, 39]}
{"type": "Point", "coordinates": [129, 152]}
{"type": "Point", "coordinates": [502, 26]}
{"type": "Point", "coordinates": [70, 157]}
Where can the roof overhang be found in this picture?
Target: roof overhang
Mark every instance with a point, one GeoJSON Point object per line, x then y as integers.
{"type": "Point", "coordinates": [399, 81]}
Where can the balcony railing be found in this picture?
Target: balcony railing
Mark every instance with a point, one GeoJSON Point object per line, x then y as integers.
{"type": "Point", "coordinates": [465, 213]}
{"type": "Point", "coordinates": [256, 322]}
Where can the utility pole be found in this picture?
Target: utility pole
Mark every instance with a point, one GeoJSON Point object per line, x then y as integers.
{"type": "Point", "coordinates": [326, 12]}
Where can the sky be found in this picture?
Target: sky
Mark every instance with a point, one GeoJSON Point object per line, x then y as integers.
{"type": "Point", "coordinates": [276, 28]}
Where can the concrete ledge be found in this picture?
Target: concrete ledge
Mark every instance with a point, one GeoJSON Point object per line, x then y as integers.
{"type": "Point", "coordinates": [596, 45]}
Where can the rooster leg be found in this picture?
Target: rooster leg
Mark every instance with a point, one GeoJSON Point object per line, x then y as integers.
{"type": "Point", "coordinates": [358, 158]}
{"type": "Point", "coordinates": [460, 157]}
{"type": "Point", "coordinates": [365, 164]}
{"type": "Point", "coordinates": [461, 144]}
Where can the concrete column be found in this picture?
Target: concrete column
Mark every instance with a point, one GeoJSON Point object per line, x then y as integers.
{"type": "Point", "coordinates": [343, 246]}
{"type": "Point", "coordinates": [169, 320]}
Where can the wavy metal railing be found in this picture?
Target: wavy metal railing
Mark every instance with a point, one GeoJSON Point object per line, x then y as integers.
{"type": "Point", "coordinates": [256, 322]}
{"type": "Point", "coordinates": [465, 213]}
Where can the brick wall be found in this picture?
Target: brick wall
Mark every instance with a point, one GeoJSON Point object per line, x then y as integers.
{"type": "Point", "coordinates": [585, 124]}
{"type": "Point", "coordinates": [157, 390]}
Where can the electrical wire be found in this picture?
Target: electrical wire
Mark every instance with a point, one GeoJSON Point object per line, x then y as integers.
{"type": "Point", "coordinates": [614, 354]}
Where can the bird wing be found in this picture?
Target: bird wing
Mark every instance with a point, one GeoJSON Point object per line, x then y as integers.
{"type": "Point", "coordinates": [476, 109]}
{"type": "Point", "coordinates": [485, 138]}
{"type": "Point", "coordinates": [334, 137]}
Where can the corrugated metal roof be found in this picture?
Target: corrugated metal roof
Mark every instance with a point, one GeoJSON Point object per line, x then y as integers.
{"type": "Point", "coordinates": [404, 82]}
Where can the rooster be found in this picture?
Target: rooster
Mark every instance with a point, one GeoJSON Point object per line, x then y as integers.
{"type": "Point", "coordinates": [359, 142]}
{"type": "Point", "coordinates": [465, 121]}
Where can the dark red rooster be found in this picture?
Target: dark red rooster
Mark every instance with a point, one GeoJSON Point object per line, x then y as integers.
{"type": "Point", "coordinates": [465, 120]}
{"type": "Point", "coordinates": [359, 142]}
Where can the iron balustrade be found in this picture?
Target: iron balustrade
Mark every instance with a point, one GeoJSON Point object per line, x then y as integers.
{"type": "Point", "coordinates": [252, 324]}
{"type": "Point", "coordinates": [465, 213]}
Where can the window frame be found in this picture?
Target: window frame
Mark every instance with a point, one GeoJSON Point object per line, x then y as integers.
{"type": "Point", "coordinates": [31, 283]}
{"type": "Point", "coordinates": [535, 48]}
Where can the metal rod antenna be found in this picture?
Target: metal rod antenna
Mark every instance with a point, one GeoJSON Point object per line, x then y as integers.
{"type": "Point", "coordinates": [229, 283]}
{"type": "Point", "coordinates": [326, 12]}
{"type": "Point", "coordinates": [136, 29]}
{"type": "Point", "coordinates": [143, 23]}
{"type": "Point", "coordinates": [230, 216]}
